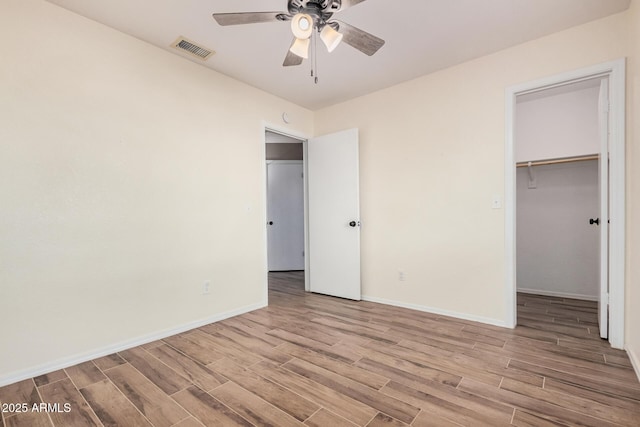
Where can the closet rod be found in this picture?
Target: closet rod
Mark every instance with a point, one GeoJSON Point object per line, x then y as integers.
{"type": "Point", "coordinates": [556, 161]}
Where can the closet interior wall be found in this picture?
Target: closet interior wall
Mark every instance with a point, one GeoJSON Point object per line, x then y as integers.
{"type": "Point", "coordinates": [557, 248]}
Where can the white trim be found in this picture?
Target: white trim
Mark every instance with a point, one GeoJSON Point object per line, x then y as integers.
{"type": "Point", "coordinates": [305, 171]}
{"type": "Point", "coordinates": [509, 212]}
{"type": "Point", "coordinates": [615, 70]}
{"type": "Point", "coordinates": [617, 208]}
{"type": "Point", "coordinates": [66, 362]}
{"type": "Point", "coordinates": [433, 310]}
{"type": "Point", "coordinates": [291, 133]}
{"type": "Point", "coordinates": [603, 208]}
{"type": "Point", "coordinates": [635, 361]}
{"type": "Point", "coordinates": [558, 294]}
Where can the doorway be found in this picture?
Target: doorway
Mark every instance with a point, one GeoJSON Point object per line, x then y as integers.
{"type": "Point", "coordinates": [285, 204]}
{"type": "Point", "coordinates": [331, 213]}
{"type": "Point", "coordinates": [613, 301]}
{"type": "Point", "coordinates": [557, 147]}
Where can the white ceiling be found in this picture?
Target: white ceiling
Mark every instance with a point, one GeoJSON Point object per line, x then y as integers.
{"type": "Point", "coordinates": [422, 36]}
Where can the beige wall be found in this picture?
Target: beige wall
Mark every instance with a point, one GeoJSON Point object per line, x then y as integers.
{"type": "Point", "coordinates": [633, 190]}
{"type": "Point", "coordinates": [432, 153]}
{"type": "Point", "coordinates": [128, 177]}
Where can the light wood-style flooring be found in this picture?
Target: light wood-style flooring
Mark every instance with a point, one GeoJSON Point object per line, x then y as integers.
{"type": "Point", "coordinates": [312, 360]}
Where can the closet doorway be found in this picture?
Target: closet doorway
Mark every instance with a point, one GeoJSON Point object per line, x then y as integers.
{"type": "Point", "coordinates": [564, 184]}
{"type": "Point", "coordinates": [560, 147]}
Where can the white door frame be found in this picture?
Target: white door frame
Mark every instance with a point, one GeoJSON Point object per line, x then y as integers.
{"type": "Point", "coordinates": [615, 70]}
{"type": "Point", "coordinates": [270, 127]}
{"type": "Point", "coordinates": [603, 209]}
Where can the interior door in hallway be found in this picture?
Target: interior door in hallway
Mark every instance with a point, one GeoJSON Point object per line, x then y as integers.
{"type": "Point", "coordinates": [285, 215]}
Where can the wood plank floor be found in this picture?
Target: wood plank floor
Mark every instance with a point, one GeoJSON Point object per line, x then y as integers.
{"type": "Point", "coordinates": [311, 360]}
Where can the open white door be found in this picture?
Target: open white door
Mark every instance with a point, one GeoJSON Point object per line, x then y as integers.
{"type": "Point", "coordinates": [285, 215]}
{"type": "Point", "coordinates": [334, 214]}
{"type": "Point", "coordinates": [603, 178]}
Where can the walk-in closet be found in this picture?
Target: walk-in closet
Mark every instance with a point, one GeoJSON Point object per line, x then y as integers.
{"type": "Point", "coordinates": [560, 185]}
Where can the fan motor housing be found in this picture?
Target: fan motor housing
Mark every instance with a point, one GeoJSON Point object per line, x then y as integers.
{"type": "Point", "coordinates": [320, 10]}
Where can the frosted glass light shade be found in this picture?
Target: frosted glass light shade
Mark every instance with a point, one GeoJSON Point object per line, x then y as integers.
{"type": "Point", "coordinates": [330, 37]}
{"type": "Point", "coordinates": [301, 48]}
{"type": "Point", "coordinates": [302, 26]}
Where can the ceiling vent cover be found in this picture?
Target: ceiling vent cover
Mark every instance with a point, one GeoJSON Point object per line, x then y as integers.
{"type": "Point", "coordinates": [190, 47]}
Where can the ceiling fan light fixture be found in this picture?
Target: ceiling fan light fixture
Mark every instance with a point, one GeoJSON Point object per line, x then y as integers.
{"type": "Point", "coordinates": [302, 26]}
{"type": "Point", "coordinates": [330, 37]}
{"type": "Point", "coordinates": [301, 48]}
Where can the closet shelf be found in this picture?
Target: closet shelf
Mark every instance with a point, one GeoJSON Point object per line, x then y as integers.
{"type": "Point", "coordinates": [556, 161]}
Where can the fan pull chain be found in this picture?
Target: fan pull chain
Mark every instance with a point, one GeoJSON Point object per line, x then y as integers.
{"type": "Point", "coordinates": [314, 58]}
{"type": "Point", "coordinates": [311, 47]}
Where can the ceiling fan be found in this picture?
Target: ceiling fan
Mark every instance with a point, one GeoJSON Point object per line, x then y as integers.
{"type": "Point", "coordinates": [307, 16]}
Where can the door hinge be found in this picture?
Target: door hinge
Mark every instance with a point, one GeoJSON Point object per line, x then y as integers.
{"type": "Point", "coordinates": [606, 300]}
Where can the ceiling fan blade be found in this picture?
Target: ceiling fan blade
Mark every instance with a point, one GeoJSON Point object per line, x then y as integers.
{"type": "Point", "coordinates": [348, 3]}
{"type": "Point", "coordinates": [292, 59]}
{"type": "Point", "coordinates": [247, 17]}
{"type": "Point", "coordinates": [361, 40]}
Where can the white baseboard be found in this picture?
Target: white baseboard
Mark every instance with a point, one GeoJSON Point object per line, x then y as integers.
{"type": "Point", "coordinates": [635, 361]}
{"type": "Point", "coordinates": [433, 310]}
{"type": "Point", "coordinates": [65, 362]}
{"type": "Point", "coordinates": [558, 294]}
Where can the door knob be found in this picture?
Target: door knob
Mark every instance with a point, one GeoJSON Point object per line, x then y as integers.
{"type": "Point", "coordinates": [270, 223]}
{"type": "Point", "coordinates": [353, 224]}
{"type": "Point", "coordinates": [594, 221]}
